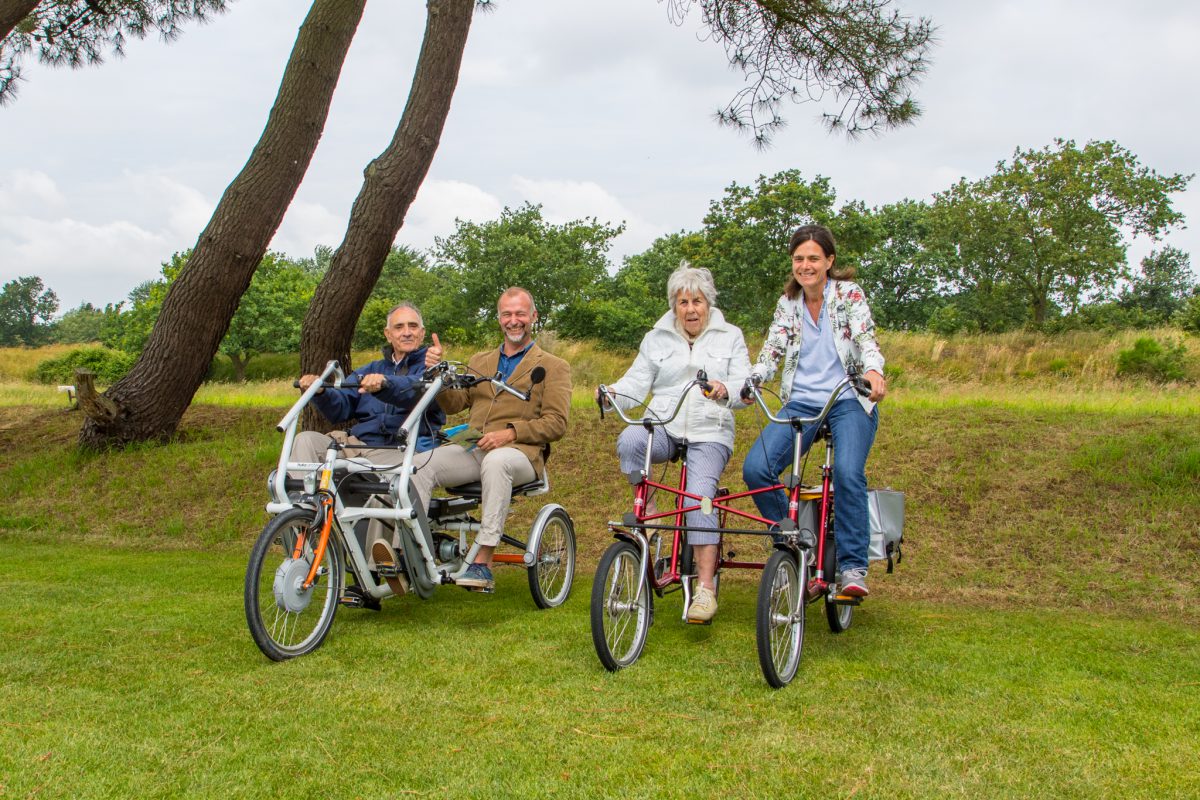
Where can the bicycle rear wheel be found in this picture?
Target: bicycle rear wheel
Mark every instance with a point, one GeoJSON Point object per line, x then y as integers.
{"type": "Point", "coordinates": [780, 617]}
{"type": "Point", "coordinates": [285, 619]}
{"type": "Point", "coordinates": [837, 615]}
{"type": "Point", "coordinates": [620, 618]}
{"type": "Point", "coordinates": [552, 544]}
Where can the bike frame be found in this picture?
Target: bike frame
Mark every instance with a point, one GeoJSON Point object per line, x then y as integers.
{"type": "Point", "coordinates": [635, 524]}
{"type": "Point", "coordinates": [336, 517]}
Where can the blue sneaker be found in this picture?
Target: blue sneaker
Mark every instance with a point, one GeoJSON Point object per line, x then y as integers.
{"type": "Point", "coordinates": [477, 578]}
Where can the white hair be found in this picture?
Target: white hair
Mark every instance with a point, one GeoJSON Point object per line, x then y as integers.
{"type": "Point", "coordinates": [694, 280]}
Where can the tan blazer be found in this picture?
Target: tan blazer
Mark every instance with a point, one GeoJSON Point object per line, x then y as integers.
{"type": "Point", "coordinates": [541, 420]}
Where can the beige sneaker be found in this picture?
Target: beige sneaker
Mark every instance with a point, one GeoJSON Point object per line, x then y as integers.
{"type": "Point", "coordinates": [388, 565]}
{"type": "Point", "coordinates": [703, 607]}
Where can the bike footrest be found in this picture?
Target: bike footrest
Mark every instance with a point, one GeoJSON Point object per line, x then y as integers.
{"type": "Point", "coordinates": [846, 600]}
{"type": "Point", "coordinates": [698, 622]}
{"type": "Point", "coordinates": [388, 570]}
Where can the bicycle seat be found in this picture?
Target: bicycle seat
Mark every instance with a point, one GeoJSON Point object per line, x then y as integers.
{"type": "Point", "coordinates": [474, 489]}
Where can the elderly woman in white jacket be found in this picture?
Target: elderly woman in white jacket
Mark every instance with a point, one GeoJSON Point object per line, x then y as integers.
{"type": "Point", "coordinates": [691, 336]}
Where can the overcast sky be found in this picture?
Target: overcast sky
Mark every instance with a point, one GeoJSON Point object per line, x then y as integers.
{"type": "Point", "coordinates": [593, 108]}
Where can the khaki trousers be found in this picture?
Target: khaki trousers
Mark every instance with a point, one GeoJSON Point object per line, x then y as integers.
{"type": "Point", "coordinates": [497, 470]}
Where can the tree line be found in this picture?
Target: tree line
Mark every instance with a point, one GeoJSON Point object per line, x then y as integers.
{"type": "Point", "coordinates": [1039, 243]}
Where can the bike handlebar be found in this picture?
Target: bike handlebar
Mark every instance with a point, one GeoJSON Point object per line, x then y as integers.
{"type": "Point", "coordinates": [455, 376]}
{"type": "Point", "coordinates": [700, 380]}
{"type": "Point", "coordinates": [753, 390]}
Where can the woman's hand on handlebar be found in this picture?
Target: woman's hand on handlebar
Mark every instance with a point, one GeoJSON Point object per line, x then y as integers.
{"type": "Point", "coordinates": [603, 397]}
{"type": "Point", "coordinates": [878, 386]}
{"type": "Point", "coordinates": [716, 391]}
{"type": "Point", "coordinates": [307, 381]}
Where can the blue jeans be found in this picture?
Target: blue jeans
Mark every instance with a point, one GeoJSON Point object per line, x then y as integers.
{"type": "Point", "coordinates": [853, 433]}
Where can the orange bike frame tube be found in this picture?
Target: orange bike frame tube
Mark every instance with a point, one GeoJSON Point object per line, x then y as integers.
{"type": "Point", "coordinates": [327, 501]}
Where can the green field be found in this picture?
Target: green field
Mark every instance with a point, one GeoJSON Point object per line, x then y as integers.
{"type": "Point", "coordinates": [1041, 637]}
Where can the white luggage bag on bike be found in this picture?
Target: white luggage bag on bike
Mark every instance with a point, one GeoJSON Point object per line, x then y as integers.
{"type": "Point", "coordinates": [886, 509]}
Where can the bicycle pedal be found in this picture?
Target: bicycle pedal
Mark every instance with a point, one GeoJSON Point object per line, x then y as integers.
{"type": "Point", "coordinates": [350, 601]}
{"type": "Point", "coordinates": [699, 621]}
{"type": "Point", "coordinates": [847, 600]}
{"type": "Point", "coordinates": [387, 570]}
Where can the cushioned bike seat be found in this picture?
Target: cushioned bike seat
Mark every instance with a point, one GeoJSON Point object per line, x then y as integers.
{"type": "Point", "coordinates": [475, 488]}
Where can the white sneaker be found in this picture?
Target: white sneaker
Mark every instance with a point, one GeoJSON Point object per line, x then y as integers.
{"type": "Point", "coordinates": [703, 607]}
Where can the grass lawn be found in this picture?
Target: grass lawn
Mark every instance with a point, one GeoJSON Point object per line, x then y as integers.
{"type": "Point", "coordinates": [1041, 637]}
{"type": "Point", "coordinates": [130, 673]}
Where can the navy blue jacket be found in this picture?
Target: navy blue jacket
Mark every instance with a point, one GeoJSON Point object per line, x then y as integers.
{"type": "Point", "coordinates": [381, 414]}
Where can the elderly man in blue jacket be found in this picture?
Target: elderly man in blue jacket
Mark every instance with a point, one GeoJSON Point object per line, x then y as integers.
{"type": "Point", "coordinates": [388, 389]}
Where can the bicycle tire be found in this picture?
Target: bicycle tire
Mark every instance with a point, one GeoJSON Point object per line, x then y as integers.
{"type": "Point", "coordinates": [286, 621]}
{"type": "Point", "coordinates": [620, 619]}
{"type": "Point", "coordinates": [779, 617]}
{"type": "Point", "coordinates": [552, 545]}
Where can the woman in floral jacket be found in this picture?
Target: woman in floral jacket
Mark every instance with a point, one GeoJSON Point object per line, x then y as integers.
{"type": "Point", "coordinates": [822, 329]}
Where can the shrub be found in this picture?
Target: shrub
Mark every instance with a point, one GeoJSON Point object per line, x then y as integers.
{"type": "Point", "coordinates": [1188, 317]}
{"type": "Point", "coordinates": [109, 365]}
{"type": "Point", "coordinates": [947, 321]}
{"type": "Point", "coordinates": [1149, 359]}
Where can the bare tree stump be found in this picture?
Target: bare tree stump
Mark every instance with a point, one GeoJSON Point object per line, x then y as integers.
{"type": "Point", "coordinates": [95, 405]}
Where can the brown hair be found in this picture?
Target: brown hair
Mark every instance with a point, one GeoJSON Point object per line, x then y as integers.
{"type": "Point", "coordinates": [824, 239]}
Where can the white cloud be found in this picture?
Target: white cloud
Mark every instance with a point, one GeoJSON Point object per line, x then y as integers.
{"type": "Point", "coordinates": [565, 201]}
{"type": "Point", "coordinates": [438, 204]}
{"type": "Point", "coordinates": [23, 190]}
{"type": "Point", "coordinates": [79, 260]}
{"type": "Point", "coordinates": [307, 225]}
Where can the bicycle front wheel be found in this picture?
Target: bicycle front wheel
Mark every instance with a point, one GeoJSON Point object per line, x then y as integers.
{"type": "Point", "coordinates": [780, 617]}
{"type": "Point", "coordinates": [285, 619]}
{"type": "Point", "coordinates": [620, 618]}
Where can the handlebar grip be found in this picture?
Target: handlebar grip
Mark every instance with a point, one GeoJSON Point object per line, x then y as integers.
{"type": "Point", "coordinates": [860, 385]}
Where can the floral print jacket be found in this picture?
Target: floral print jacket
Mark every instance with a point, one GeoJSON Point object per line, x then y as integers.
{"type": "Point", "coordinates": [854, 336]}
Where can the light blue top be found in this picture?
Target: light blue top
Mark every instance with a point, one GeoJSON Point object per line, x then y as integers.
{"type": "Point", "coordinates": [819, 370]}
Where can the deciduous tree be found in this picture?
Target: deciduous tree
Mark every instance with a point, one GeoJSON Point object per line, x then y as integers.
{"type": "Point", "coordinates": [745, 236]}
{"type": "Point", "coordinates": [1053, 223]}
{"type": "Point", "coordinates": [26, 308]}
{"type": "Point", "coordinates": [1162, 285]}
{"type": "Point", "coordinates": [562, 265]}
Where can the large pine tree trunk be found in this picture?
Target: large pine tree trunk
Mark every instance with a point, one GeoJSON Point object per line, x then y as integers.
{"type": "Point", "coordinates": [201, 302]}
{"type": "Point", "coordinates": [389, 185]}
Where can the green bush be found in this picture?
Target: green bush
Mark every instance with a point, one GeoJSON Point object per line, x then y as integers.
{"type": "Point", "coordinates": [109, 365]}
{"type": "Point", "coordinates": [947, 321]}
{"type": "Point", "coordinates": [261, 367]}
{"type": "Point", "coordinates": [1188, 317]}
{"type": "Point", "coordinates": [1150, 359]}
